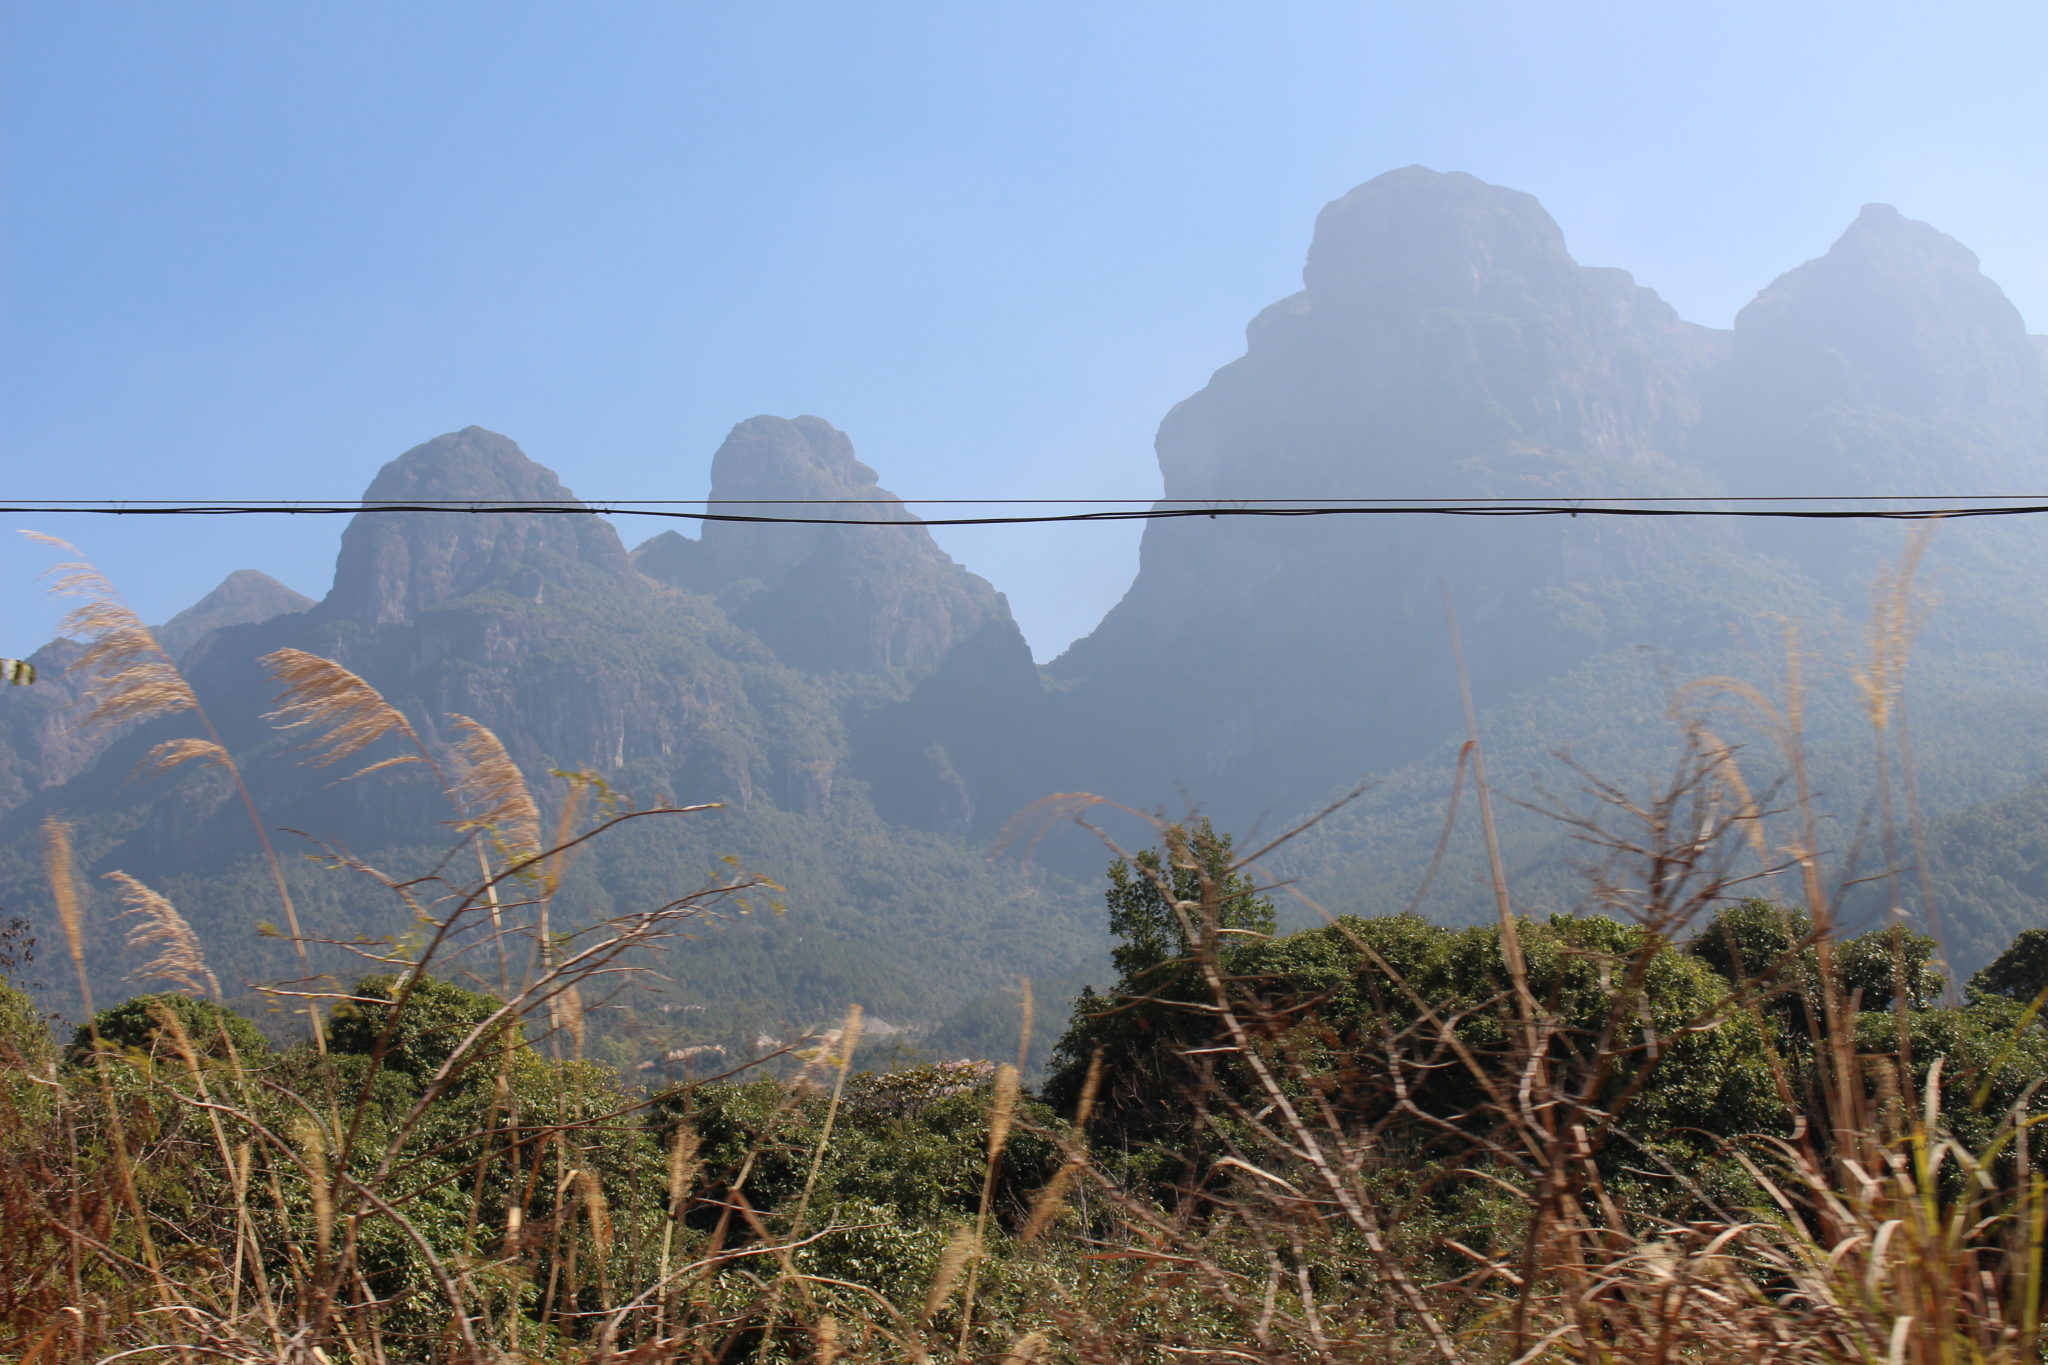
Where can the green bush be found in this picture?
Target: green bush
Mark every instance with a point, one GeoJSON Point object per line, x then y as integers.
{"type": "Point", "coordinates": [214, 1031]}
{"type": "Point", "coordinates": [419, 1040]}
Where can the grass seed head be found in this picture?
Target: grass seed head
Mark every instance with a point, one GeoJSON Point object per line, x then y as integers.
{"type": "Point", "coordinates": [490, 788]}
{"type": "Point", "coordinates": [951, 1261]}
{"type": "Point", "coordinates": [58, 867]}
{"type": "Point", "coordinates": [353, 714]}
{"type": "Point", "coordinates": [1002, 1110]}
{"type": "Point", "coordinates": [180, 961]}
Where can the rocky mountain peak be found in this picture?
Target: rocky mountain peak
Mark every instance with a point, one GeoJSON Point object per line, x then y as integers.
{"type": "Point", "coordinates": [1417, 237]}
{"type": "Point", "coordinates": [825, 598]}
{"type": "Point", "coordinates": [775, 457]}
{"type": "Point", "coordinates": [779, 460]}
{"type": "Point", "coordinates": [1889, 364]}
{"type": "Point", "coordinates": [1446, 343]}
{"type": "Point", "coordinates": [1897, 315]}
{"type": "Point", "coordinates": [243, 598]}
{"type": "Point", "coordinates": [394, 565]}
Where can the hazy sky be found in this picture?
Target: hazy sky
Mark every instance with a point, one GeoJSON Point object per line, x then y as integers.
{"type": "Point", "coordinates": [256, 250]}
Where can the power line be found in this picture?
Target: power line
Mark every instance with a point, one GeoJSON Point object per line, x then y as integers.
{"type": "Point", "coordinates": [1115, 509]}
{"type": "Point", "coordinates": [601, 504]}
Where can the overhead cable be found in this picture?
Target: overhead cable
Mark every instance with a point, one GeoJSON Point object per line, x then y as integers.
{"type": "Point", "coordinates": [1110, 509]}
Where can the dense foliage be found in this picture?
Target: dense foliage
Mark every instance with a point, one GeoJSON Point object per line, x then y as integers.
{"type": "Point", "coordinates": [559, 1189]}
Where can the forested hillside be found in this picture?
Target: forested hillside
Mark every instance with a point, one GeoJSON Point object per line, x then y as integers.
{"type": "Point", "coordinates": [869, 717]}
{"type": "Point", "coordinates": [663, 683]}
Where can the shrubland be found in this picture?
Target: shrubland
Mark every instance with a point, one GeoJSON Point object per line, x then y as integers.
{"type": "Point", "coordinates": [1697, 1117]}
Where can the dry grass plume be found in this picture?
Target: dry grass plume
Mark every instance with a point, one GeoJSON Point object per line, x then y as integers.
{"type": "Point", "coordinates": [490, 790]}
{"type": "Point", "coordinates": [352, 714]}
{"type": "Point", "coordinates": [181, 961]}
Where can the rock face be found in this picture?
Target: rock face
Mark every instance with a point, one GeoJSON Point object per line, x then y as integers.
{"type": "Point", "coordinates": [826, 598]}
{"type": "Point", "coordinates": [395, 565]}
{"type": "Point", "coordinates": [1446, 344]}
{"type": "Point", "coordinates": [1892, 366]}
{"type": "Point", "coordinates": [731, 670]}
{"type": "Point", "coordinates": [1888, 366]}
{"type": "Point", "coordinates": [243, 598]}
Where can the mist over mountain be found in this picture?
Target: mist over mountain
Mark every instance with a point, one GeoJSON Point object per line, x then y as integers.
{"type": "Point", "coordinates": [1447, 345]}
{"type": "Point", "coordinates": [870, 715]}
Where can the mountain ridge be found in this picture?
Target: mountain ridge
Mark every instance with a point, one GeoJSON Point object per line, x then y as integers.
{"type": "Point", "coordinates": [541, 628]}
{"type": "Point", "coordinates": [868, 712]}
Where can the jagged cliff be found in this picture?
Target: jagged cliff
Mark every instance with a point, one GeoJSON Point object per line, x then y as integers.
{"type": "Point", "coordinates": [827, 599]}
{"type": "Point", "coordinates": [1446, 344]}
{"type": "Point", "coordinates": [1890, 365]}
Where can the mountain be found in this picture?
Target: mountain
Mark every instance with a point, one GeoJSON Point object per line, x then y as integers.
{"type": "Point", "coordinates": [1890, 365]}
{"type": "Point", "coordinates": [1446, 344]}
{"type": "Point", "coordinates": [869, 714]}
{"type": "Point", "coordinates": [690, 686]}
{"type": "Point", "coordinates": [40, 744]}
{"type": "Point", "coordinates": [243, 598]}
{"type": "Point", "coordinates": [828, 599]}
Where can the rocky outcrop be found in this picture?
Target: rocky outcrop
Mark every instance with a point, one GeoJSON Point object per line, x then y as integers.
{"type": "Point", "coordinates": [1445, 344]}
{"type": "Point", "coordinates": [393, 566]}
{"type": "Point", "coordinates": [857, 599]}
{"type": "Point", "coordinates": [1890, 365]}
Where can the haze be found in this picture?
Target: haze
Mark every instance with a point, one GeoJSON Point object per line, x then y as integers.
{"type": "Point", "coordinates": [252, 252]}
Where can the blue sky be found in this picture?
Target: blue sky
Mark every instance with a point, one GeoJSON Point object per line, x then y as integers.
{"type": "Point", "coordinates": [256, 250]}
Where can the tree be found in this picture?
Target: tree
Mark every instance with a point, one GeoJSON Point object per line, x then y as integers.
{"type": "Point", "coordinates": [1767, 949]}
{"type": "Point", "coordinates": [1134, 1023]}
{"type": "Point", "coordinates": [213, 1030]}
{"type": "Point", "coordinates": [436, 1017]}
{"type": "Point", "coordinates": [2019, 973]}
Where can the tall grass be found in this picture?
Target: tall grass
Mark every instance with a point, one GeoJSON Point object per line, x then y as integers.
{"type": "Point", "coordinates": [131, 678]}
{"type": "Point", "coordinates": [182, 1197]}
